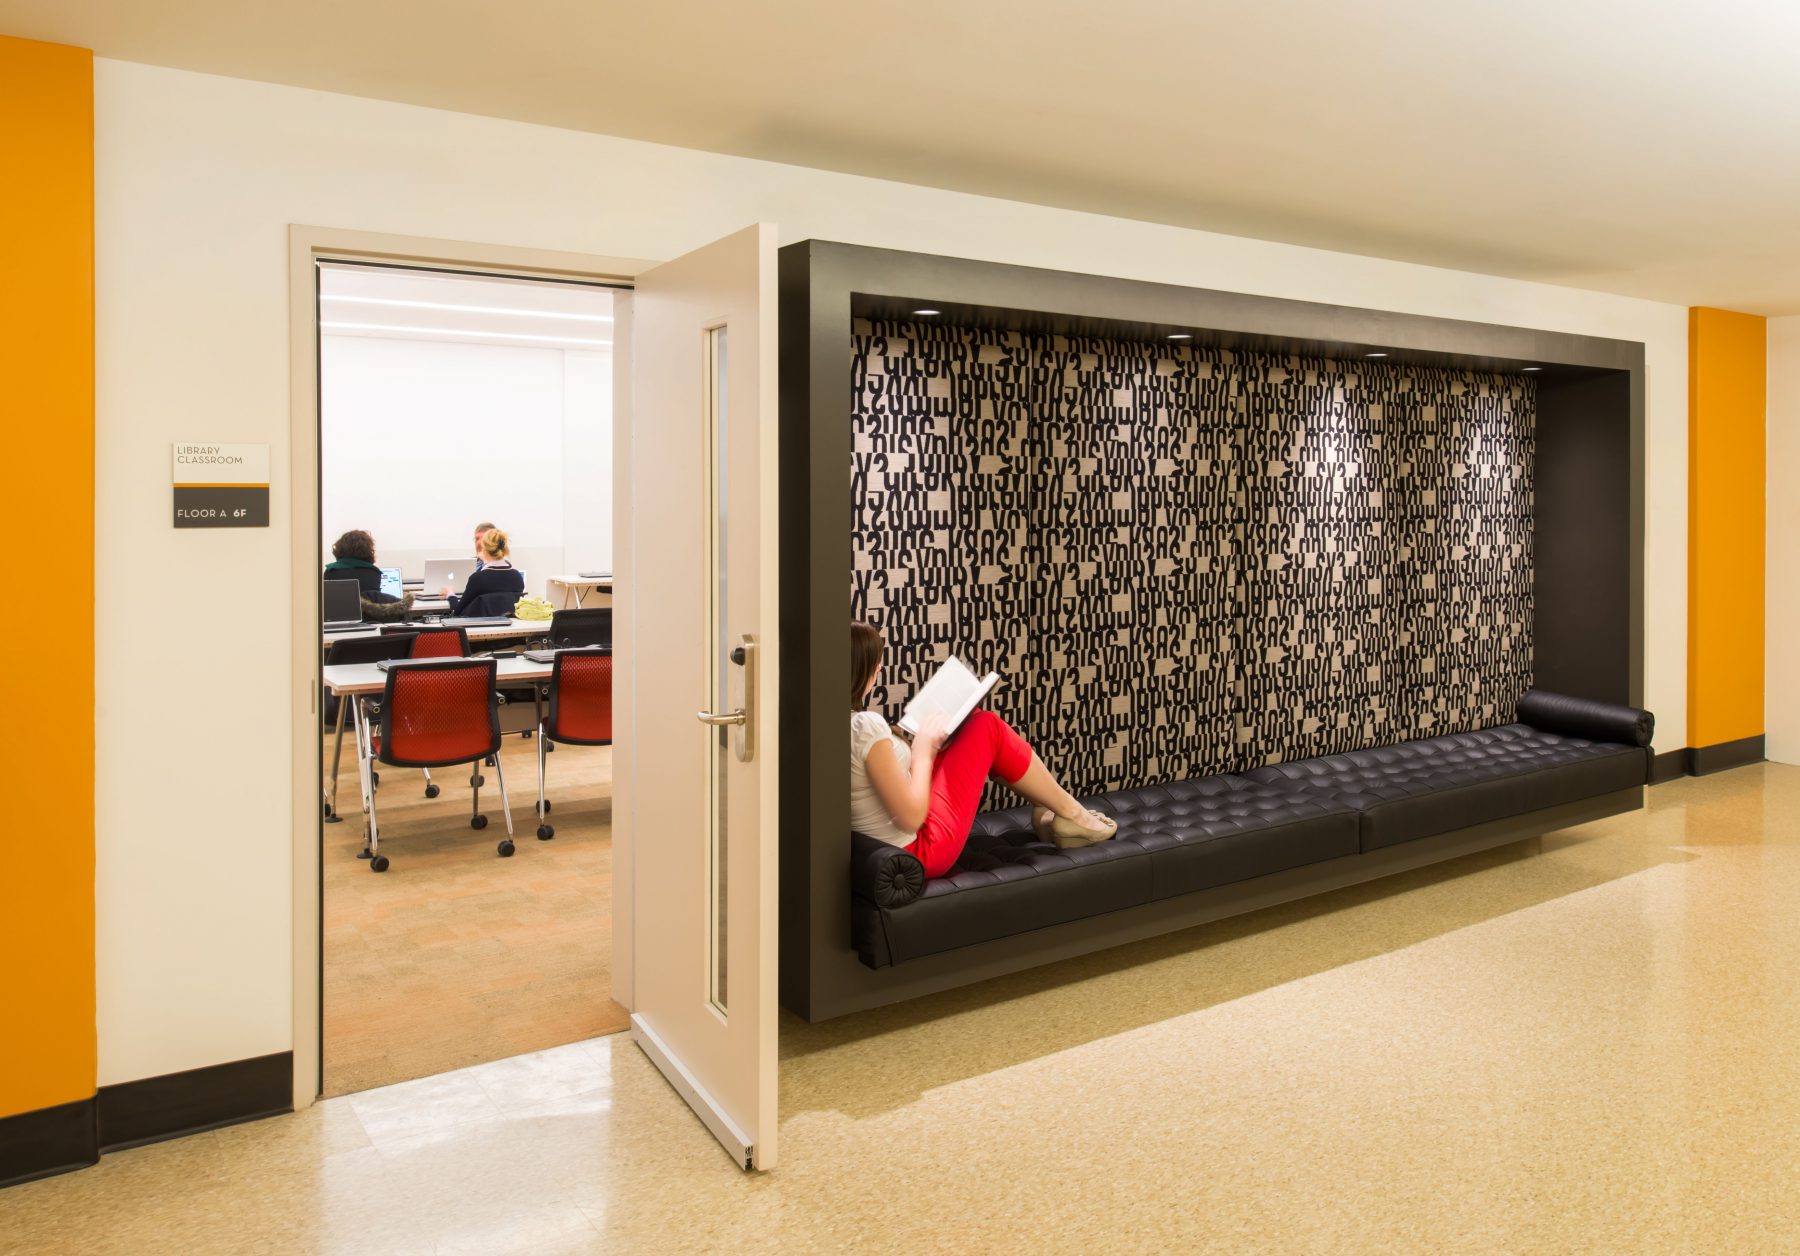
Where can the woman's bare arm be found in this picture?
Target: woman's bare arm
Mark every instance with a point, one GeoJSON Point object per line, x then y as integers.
{"type": "Point", "coordinates": [906, 795]}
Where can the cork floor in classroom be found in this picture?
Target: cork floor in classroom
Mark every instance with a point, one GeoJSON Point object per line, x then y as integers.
{"type": "Point", "coordinates": [1587, 1046]}
{"type": "Point", "coordinates": [455, 956]}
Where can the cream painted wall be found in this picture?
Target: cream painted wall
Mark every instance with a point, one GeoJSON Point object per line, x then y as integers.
{"type": "Point", "coordinates": [1781, 685]}
{"type": "Point", "coordinates": [198, 178]}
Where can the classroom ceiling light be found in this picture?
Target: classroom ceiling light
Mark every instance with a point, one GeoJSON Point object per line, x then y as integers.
{"type": "Point", "coordinates": [926, 313]}
{"type": "Point", "coordinates": [453, 331]}
{"type": "Point", "coordinates": [1180, 335]}
{"type": "Point", "coordinates": [1531, 368]}
{"type": "Point", "coordinates": [1374, 355]}
{"type": "Point", "coordinates": [396, 302]}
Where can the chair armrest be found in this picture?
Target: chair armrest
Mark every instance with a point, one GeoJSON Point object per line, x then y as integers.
{"type": "Point", "coordinates": [1583, 717]}
{"type": "Point", "coordinates": [885, 875]}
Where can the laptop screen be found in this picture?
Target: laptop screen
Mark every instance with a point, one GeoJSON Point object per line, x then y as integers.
{"type": "Point", "coordinates": [390, 581]}
{"type": "Point", "coordinates": [343, 602]}
{"type": "Point", "coordinates": [450, 573]}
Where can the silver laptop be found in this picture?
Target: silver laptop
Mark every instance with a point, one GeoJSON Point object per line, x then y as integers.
{"type": "Point", "coordinates": [343, 604]}
{"type": "Point", "coordinates": [450, 573]}
{"type": "Point", "coordinates": [391, 583]}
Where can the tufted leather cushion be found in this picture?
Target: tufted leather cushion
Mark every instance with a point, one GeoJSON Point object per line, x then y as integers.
{"type": "Point", "coordinates": [1438, 784]}
{"type": "Point", "coordinates": [1194, 835]}
{"type": "Point", "coordinates": [1173, 839]}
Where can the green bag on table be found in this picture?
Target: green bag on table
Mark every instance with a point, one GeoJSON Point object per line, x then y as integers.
{"type": "Point", "coordinates": [533, 608]}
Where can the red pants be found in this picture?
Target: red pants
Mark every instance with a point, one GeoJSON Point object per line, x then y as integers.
{"type": "Point", "coordinates": [983, 746]}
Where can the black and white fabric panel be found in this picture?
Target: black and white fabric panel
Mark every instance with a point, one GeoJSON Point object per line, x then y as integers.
{"type": "Point", "coordinates": [1186, 560]}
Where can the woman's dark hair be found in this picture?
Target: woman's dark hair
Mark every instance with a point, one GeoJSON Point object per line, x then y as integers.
{"type": "Point", "coordinates": [865, 657]}
{"type": "Point", "coordinates": [358, 544]}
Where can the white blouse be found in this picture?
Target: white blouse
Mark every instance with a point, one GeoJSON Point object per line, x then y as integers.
{"type": "Point", "coordinates": [868, 814]}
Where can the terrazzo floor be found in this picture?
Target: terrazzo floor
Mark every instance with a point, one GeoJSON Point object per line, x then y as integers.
{"type": "Point", "coordinates": [1587, 1049]}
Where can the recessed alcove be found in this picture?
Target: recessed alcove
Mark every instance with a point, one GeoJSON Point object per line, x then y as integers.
{"type": "Point", "coordinates": [1579, 399]}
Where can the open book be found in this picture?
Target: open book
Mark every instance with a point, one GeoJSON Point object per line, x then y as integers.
{"type": "Point", "coordinates": [952, 693]}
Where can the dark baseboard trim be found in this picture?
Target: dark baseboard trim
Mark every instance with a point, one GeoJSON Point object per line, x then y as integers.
{"type": "Point", "coordinates": [1670, 765]}
{"type": "Point", "coordinates": [72, 1135]}
{"type": "Point", "coordinates": [1727, 754]}
{"type": "Point", "coordinates": [148, 1111]}
{"type": "Point", "coordinates": [48, 1141]}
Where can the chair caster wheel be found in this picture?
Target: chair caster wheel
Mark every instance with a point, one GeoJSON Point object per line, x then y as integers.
{"type": "Point", "coordinates": [332, 817]}
{"type": "Point", "coordinates": [525, 736]}
{"type": "Point", "coordinates": [545, 832]}
{"type": "Point", "coordinates": [478, 780]}
{"type": "Point", "coordinates": [478, 822]}
{"type": "Point", "coordinates": [549, 747]}
{"type": "Point", "coordinates": [505, 848]}
{"type": "Point", "coordinates": [488, 762]}
{"type": "Point", "coordinates": [374, 778]}
{"type": "Point", "coordinates": [546, 806]}
{"type": "Point", "coordinates": [378, 864]}
{"type": "Point", "coordinates": [431, 790]}
{"type": "Point", "coordinates": [365, 853]}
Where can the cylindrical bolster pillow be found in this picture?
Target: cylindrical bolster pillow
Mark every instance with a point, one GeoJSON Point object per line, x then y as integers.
{"type": "Point", "coordinates": [1583, 717]}
{"type": "Point", "coordinates": [884, 874]}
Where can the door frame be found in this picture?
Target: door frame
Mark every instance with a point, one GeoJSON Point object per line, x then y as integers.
{"type": "Point", "coordinates": [308, 245]}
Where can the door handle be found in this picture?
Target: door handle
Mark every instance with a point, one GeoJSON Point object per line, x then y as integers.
{"type": "Point", "coordinates": [744, 655]}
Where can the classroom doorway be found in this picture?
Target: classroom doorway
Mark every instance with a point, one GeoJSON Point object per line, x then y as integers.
{"type": "Point", "coordinates": [466, 487]}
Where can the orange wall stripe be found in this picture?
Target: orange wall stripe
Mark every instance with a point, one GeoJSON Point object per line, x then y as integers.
{"type": "Point", "coordinates": [1727, 467]}
{"type": "Point", "coordinates": [47, 1051]}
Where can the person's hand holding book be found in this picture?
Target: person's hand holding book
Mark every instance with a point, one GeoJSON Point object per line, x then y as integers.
{"type": "Point", "coordinates": [934, 731]}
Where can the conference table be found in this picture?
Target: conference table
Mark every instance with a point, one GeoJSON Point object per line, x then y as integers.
{"type": "Point", "coordinates": [572, 592]}
{"type": "Point", "coordinates": [488, 632]}
{"type": "Point", "coordinates": [354, 683]}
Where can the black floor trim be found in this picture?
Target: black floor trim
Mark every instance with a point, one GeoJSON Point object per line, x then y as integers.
{"type": "Point", "coordinates": [72, 1135]}
{"type": "Point", "coordinates": [147, 1111]}
{"type": "Point", "coordinates": [1727, 754]}
{"type": "Point", "coordinates": [48, 1141]}
{"type": "Point", "coordinates": [1670, 765]}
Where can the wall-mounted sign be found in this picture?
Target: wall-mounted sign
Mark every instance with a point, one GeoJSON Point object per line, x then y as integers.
{"type": "Point", "coordinates": [221, 486]}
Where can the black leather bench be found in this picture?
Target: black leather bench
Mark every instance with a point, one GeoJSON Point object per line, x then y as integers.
{"type": "Point", "coordinates": [1198, 835]}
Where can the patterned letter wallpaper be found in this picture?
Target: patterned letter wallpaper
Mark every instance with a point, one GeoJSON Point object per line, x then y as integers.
{"type": "Point", "coordinates": [1185, 561]}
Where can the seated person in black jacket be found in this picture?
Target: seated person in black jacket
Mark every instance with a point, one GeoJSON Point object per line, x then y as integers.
{"type": "Point", "coordinates": [496, 574]}
{"type": "Point", "coordinates": [355, 560]}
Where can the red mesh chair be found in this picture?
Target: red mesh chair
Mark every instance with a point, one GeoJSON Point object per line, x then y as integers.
{"type": "Point", "coordinates": [436, 714]}
{"type": "Point", "coordinates": [434, 641]}
{"type": "Point", "coordinates": [430, 641]}
{"type": "Point", "coordinates": [581, 712]}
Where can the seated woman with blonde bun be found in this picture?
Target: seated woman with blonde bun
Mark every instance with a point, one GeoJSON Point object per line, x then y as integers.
{"type": "Point", "coordinates": [923, 797]}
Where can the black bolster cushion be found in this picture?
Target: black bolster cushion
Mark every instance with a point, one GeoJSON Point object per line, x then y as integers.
{"type": "Point", "coordinates": [884, 874]}
{"type": "Point", "coordinates": [1583, 717]}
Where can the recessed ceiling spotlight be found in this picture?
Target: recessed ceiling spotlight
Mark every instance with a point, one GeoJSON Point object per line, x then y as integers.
{"type": "Point", "coordinates": [1179, 335]}
{"type": "Point", "coordinates": [1531, 368]}
{"type": "Point", "coordinates": [926, 313]}
{"type": "Point", "coordinates": [1374, 355]}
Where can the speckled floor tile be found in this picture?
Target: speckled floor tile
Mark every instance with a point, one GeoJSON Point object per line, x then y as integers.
{"type": "Point", "coordinates": [1583, 1047]}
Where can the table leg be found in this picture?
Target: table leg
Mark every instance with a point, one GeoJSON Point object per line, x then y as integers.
{"type": "Point", "coordinates": [337, 755]}
{"type": "Point", "coordinates": [365, 770]}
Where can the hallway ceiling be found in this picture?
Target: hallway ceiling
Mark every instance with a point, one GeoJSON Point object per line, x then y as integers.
{"type": "Point", "coordinates": [1645, 147]}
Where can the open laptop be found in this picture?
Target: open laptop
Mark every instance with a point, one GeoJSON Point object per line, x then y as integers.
{"type": "Point", "coordinates": [391, 583]}
{"type": "Point", "coordinates": [442, 573]}
{"type": "Point", "coordinates": [343, 604]}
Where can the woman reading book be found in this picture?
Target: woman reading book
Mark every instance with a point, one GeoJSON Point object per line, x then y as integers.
{"type": "Point", "coordinates": [923, 796]}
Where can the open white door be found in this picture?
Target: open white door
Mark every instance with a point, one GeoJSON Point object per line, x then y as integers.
{"type": "Point", "coordinates": [703, 794]}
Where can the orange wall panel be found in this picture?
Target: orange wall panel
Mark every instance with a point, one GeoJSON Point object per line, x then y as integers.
{"type": "Point", "coordinates": [1727, 461]}
{"type": "Point", "coordinates": [47, 481]}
